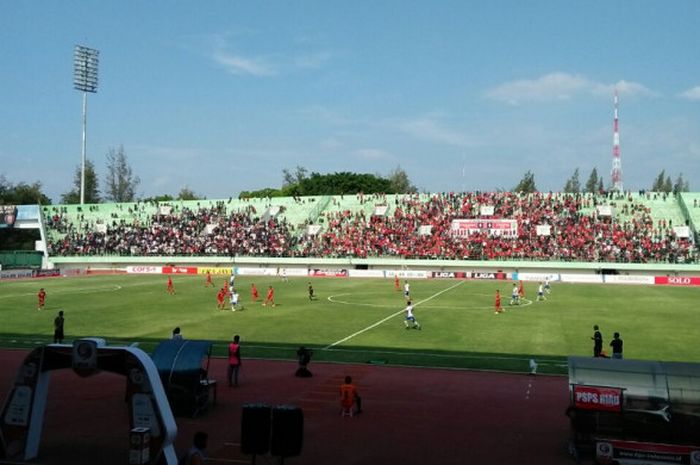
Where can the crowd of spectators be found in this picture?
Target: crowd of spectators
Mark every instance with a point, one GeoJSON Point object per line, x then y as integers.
{"type": "Point", "coordinates": [416, 226]}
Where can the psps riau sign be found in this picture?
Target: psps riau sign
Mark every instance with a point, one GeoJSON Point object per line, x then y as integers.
{"type": "Point", "coordinates": [604, 399]}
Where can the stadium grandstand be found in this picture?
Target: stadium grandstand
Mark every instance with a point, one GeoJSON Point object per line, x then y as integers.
{"type": "Point", "coordinates": [642, 227]}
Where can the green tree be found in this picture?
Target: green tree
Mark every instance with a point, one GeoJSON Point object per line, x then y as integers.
{"type": "Point", "coordinates": [92, 192]}
{"type": "Point", "coordinates": [680, 185]}
{"type": "Point", "coordinates": [526, 184]}
{"type": "Point", "coordinates": [573, 184]}
{"type": "Point", "coordinates": [297, 177]}
{"type": "Point", "coordinates": [120, 182]}
{"type": "Point", "coordinates": [658, 185]}
{"type": "Point", "coordinates": [400, 183]}
{"type": "Point", "coordinates": [159, 198]}
{"type": "Point", "coordinates": [592, 183]}
{"type": "Point", "coordinates": [188, 194]}
{"type": "Point", "coordinates": [601, 187]}
{"type": "Point", "coordinates": [22, 193]}
{"type": "Point", "coordinates": [668, 185]}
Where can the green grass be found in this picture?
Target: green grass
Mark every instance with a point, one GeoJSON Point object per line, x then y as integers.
{"type": "Point", "coordinates": [459, 327]}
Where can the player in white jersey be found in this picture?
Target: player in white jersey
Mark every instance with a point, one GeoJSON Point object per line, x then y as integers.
{"type": "Point", "coordinates": [546, 286]}
{"type": "Point", "coordinates": [410, 320]}
{"type": "Point", "coordinates": [540, 293]}
{"type": "Point", "coordinates": [407, 290]}
{"type": "Point", "coordinates": [515, 296]}
{"type": "Point", "coordinates": [231, 281]}
{"type": "Point", "coordinates": [234, 300]}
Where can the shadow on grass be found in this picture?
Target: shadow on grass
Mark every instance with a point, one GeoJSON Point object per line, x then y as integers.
{"type": "Point", "coordinates": [506, 362]}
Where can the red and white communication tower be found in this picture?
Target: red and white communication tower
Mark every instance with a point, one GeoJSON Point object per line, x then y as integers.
{"type": "Point", "coordinates": [616, 162]}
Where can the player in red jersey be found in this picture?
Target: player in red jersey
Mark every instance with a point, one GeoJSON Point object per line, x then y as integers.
{"type": "Point", "coordinates": [254, 292]}
{"type": "Point", "coordinates": [397, 286]}
{"type": "Point", "coordinates": [209, 281]}
{"type": "Point", "coordinates": [270, 297]}
{"type": "Point", "coordinates": [497, 304]}
{"type": "Point", "coordinates": [42, 299]}
{"type": "Point", "coordinates": [171, 289]}
{"type": "Point", "coordinates": [225, 287]}
{"type": "Point", "coordinates": [220, 297]}
{"type": "Point", "coordinates": [521, 290]}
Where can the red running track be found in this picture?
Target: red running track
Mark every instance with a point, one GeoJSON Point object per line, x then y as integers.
{"type": "Point", "coordinates": [411, 415]}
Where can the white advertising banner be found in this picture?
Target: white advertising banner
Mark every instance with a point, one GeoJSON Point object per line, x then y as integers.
{"type": "Point", "coordinates": [682, 231]}
{"type": "Point", "coordinates": [537, 276]}
{"type": "Point", "coordinates": [581, 278]}
{"type": "Point", "coordinates": [486, 210]}
{"type": "Point", "coordinates": [144, 269]}
{"type": "Point", "coordinates": [245, 271]}
{"type": "Point", "coordinates": [544, 230]}
{"type": "Point", "coordinates": [624, 279]}
{"type": "Point", "coordinates": [366, 273]}
{"type": "Point", "coordinates": [604, 210]}
{"type": "Point", "coordinates": [425, 230]}
{"type": "Point", "coordinates": [405, 274]}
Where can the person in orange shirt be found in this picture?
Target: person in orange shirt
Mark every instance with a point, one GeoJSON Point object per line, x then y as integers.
{"type": "Point", "coordinates": [397, 286]}
{"type": "Point", "coordinates": [254, 292]}
{"type": "Point", "coordinates": [234, 361]}
{"type": "Point", "coordinates": [270, 297]}
{"type": "Point", "coordinates": [498, 309]}
{"type": "Point", "coordinates": [209, 281]}
{"type": "Point", "coordinates": [171, 289]}
{"type": "Point", "coordinates": [349, 396]}
{"type": "Point", "coordinates": [220, 297]}
{"type": "Point", "coordinates": [521, 290]}
{"type": "Point", "coordinates": [41, 295]}
{"type": "Point", "coordinates": [225, 287]}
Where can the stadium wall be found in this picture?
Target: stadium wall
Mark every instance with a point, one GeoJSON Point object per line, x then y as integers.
{"type": "Point", "coordinates": [119, 263]}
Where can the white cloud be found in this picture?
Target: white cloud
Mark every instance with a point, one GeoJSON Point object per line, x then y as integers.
{"type": "Point", "coordinates": [235, 64]}
{"type": "Point", "coordinates": [691, 94]}
{"type": "Point", "coordinates": [431, 130]}
{"type": "Point", "coordinates": [561, 86]}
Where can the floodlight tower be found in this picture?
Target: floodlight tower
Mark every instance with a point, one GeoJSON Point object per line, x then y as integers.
{"type": "Point", "coordinates": [616, 162]}
{"type": "Point", "coordinates": [85, 61]}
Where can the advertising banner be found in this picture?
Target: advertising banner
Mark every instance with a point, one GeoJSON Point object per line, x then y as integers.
{"type": "Point", "coordinates": [449, 274]}
{"type": "Point", "coordinates": [249, 271]}
{"type": "Point", "coordinates": [408, 274]}
{"type": "Point", "coordinates": [486, 275]}
{"type": "Point", "coordinates": [605, 399]}
{"type": "Point", "coordinates": [215, 270]}
{"type": "Point", "coordinates": [326, 272]}
{"type": "Point", "coordinates": [179, 270]}
{"type": "Point", "coordinates": [544, 230]}
{"type": "Point", "coordinates": [581, 278]}
{"type": "Point", "coordinates": [145, 269]}
{"type": "Point", "coordinates": [677, 280]}
{"type": "Point", "coordinates": [535, 276]}
{"type": "Point", "coordinates": [611, 451]}
{"type": "Point", "coordinates": [494, 227]}
{"type": "Point", "coordinates": [366, 273]}
{"type": "Point", "coordinates": [682, 231]}
{"type": "Point", "coordinates": [619, 279]}
{"type": "Point", "coordinates": [8, 215]}
{"type": "Point", "coordinates": [15, 274]}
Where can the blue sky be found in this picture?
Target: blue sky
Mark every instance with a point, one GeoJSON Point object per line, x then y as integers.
{"type": "Point", "coordinates": [220, 96]}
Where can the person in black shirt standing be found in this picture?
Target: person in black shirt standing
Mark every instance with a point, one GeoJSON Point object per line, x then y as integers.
{"type": "Point", "coordinates": [58, 328]}
{"type": "Point", "coordinates": [597, 342]}
{"type": "Point", "coordinates": [616, 345]}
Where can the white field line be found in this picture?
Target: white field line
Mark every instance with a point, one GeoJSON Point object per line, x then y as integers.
{"type": "Point", "coordinates": [374, 325]}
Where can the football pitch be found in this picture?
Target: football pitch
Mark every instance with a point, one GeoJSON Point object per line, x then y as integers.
{"type": "Point", "coordinates": [362, 320]}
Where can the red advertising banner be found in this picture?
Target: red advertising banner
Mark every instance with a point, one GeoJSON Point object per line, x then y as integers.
{"type": "Point", "coordinates": [597, 398]}
{"type": "Point", "coordinates": [609, 451]}
{"type": "Point", "coordinates": [677, 280]}
{"type": "Point", "coordinates": [179, 270]}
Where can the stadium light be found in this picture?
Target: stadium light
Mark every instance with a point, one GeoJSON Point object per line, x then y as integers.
{"type": "Point", "coordinates": [85, 62]}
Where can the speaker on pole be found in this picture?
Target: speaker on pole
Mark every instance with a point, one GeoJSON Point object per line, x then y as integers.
{"type": "Point", "coordinates": [255, 429]}
{"type": "Point", "coordinates": [287, 431]}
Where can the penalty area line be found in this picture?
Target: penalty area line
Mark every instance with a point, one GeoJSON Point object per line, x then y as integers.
{"type": "Point", "coordinates": [374, 325]}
